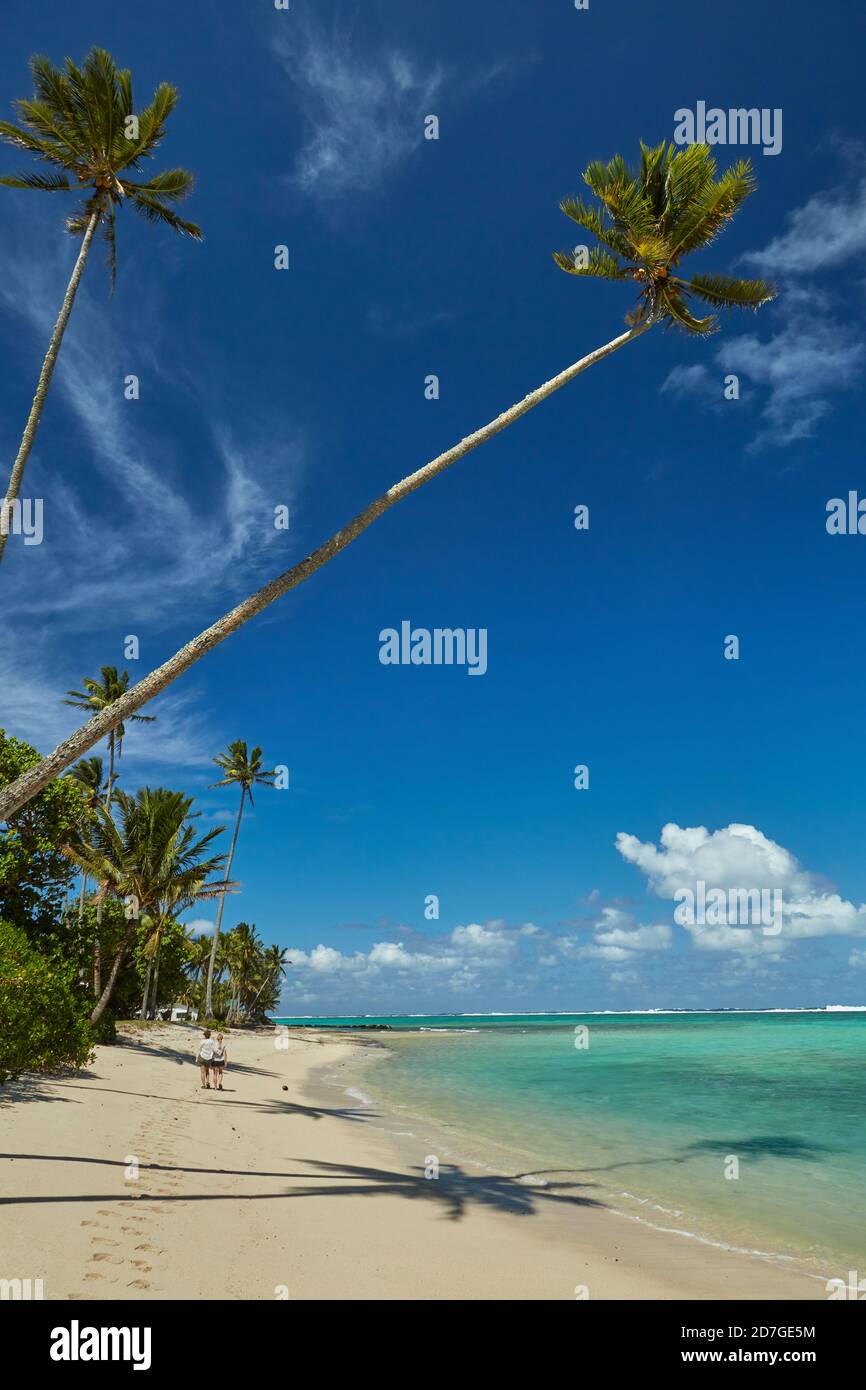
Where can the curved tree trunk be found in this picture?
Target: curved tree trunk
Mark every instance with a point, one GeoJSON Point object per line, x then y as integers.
{"type": "Point", "coordinates": [13, 487]}
{"type": "Point", "coordinates": [37, 777]}
{"type": "Point", "coordinates": [105, 996]}
{"type": "Point", "coordinates": [208, 1006]}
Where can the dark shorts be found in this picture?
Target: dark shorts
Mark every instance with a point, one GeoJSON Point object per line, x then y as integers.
{"type": "Point", "coordinates": [217, 1066]}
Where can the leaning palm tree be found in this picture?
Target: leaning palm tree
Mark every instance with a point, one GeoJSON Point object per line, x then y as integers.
{"type": "Point", "coordinates": [243, 770]}
{"type": "Point", "coordinates": [88, 773]}
{"type": "Point", "coordinates": [646, 221]}
{"type": "Point", "coordinates": [99, 695]}
{"type": "Point", "coordinates": [82, 121]}
{"type": "Point", "coordinates": [150, 852]}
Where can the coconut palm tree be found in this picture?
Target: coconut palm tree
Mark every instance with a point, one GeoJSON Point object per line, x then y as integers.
{"type": "Point", "coordinates": [272, 967]}
{"type": "Point", "coordinates": [99, 695]}
{"type": "Point", "coordinates": [646, 221]}
{"type": "Point", "coordinates": [197, 968]}
{"type": "Point", "coordinates": [245, 771]}
{"type": "Point", "coordinates": [88, 773]}
{"type": "Point", "coordinates": [82, 121]}
{"type": "Point", "coordinates": [150, 853]}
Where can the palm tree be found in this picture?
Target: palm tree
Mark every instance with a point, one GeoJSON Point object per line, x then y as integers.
{"type": "Point", "coordinates": [82, 121]}
{"type": "Point", "coordinates": [99, 696]}
{"type": "Point", "coordinates": [245, 771]}
{"type": "Point", "coordinates": [88, 773]}
{"type": "Point", "coordinates": [651, 217]}
{"type": "Point", "coordinates": [149, 855]}
{"type": "Point", "coordinates": [273, 966]}
{"type": "Point", "coordinates": [197, 968]}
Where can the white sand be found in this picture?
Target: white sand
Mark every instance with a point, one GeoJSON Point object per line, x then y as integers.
{"type": "Point", "coordinates": [263, 1190]}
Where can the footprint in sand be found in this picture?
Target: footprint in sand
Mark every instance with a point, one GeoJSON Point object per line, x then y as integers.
{"type": "Point", "coordinates": [100, 1225]}
{"type": "Point", "coordinates": [104, 1255]}
{"type": "Point", "coordinates": [139, 1284]}
{"type": "Point", "coordinates": [102, 1240]}
{"type": "Point", "coordinates": [140, 1264]}
{"type": "Point", "coordinates": [152, 1248]}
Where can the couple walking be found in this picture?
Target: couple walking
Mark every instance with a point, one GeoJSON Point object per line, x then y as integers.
{"type": "Point", "coordinates": [212, 1057]}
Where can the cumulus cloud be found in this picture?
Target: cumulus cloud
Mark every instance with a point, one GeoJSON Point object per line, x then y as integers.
{"type": "Point", "coordinates": [740, 859]}
{"type": "Point", "coordinates": [469, 947]}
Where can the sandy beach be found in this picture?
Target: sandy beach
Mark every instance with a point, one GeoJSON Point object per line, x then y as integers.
{"type": "Point", "coordinates": [284, 1187]}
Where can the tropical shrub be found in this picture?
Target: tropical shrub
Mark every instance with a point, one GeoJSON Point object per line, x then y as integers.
{"type": "Point", "coordinates": [43, 1010]}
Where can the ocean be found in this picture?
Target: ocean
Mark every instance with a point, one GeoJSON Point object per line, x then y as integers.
{"type": "Point", "coordinates": [741, 1129]}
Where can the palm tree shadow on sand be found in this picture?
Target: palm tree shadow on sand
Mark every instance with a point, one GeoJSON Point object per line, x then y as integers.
{"type": "Point", "coordinates": [455, 1190]}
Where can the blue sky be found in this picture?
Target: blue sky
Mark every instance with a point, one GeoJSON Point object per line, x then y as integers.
{"type": "Point", "coordinates": [305, 387]}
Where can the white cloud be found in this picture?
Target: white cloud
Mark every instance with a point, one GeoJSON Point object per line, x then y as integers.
{"type": "Point", "coordinates": [741, 857]}
{"type": "Point", "coordinates": [365, 114]}
{"type": "Point", "coordinates": [200, 926]}
{"type": "Point", "coordinates": [812, 355]}
{"type": "Point", "coordinates": [827, 230]}
{"type": "Point", "coordinates": [129, 529]}
{"type": "Point", "coordinates": [800, 366]}
{"type": "Point", "coordinates": [693, 380]}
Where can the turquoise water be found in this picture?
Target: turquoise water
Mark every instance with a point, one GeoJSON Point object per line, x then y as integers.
{"type": "Point", "coordinates": [654, 1110]}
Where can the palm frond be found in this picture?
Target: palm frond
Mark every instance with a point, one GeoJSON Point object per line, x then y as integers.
{"type": "Point", "coordinates": [600, 265]}
{"type": "Point", "coordinates": [152, 208]}
{"type": "Point", "coordinates": [170, 186]}
{"type": "Point", "coordinates": [676, 313]}
{"type": "Point", "coordinates": [49, 183]}
{"type": "Point", "coordinates": [726, 293]}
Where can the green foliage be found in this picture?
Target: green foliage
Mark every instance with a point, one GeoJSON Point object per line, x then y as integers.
{"type": "Point", "coordinates": [43, 1010]}
{"type": "Point", "coordinates": [34, 873]}
{"type": "Point", "coordinates": [77, 120]}
{"type": "Point", "coordinates": [243, 770]}
{"type": "Point", "coordinates": [248, 974]}
{"type": "Point", "coordinates": [649, 218]}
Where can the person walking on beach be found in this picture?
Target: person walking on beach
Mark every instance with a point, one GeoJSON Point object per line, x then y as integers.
{"type": "Point", "coordinates": [205, 1058]}
{"type": "Point", "coordinates": [218, 1062]}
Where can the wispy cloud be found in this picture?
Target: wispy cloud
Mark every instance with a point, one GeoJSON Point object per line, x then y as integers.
{"type": "Point", "coordinates": [31, 707]}
{"type": "Point", "coordinates": [129, 529]}
{"type": "Point", "coordinates": [364, 108]}
{"type": "Point", "coordinates": [813, 355]}
{"type": "Point", "coordinates": [828, 230]}
{"type": "Point", "coordinates": [364, 113]}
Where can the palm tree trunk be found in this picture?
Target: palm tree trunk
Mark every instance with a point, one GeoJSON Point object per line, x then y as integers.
{"type": "Point", "coordinates": [208, 1007]}
{"type": "Point", "coordinates": [34, 779]}
{"type": "Point", "coordinates": [110, 786]}
{"type": "Point", "coordinates": [16, 476]}
{"type": "Point", "coordinates": [81, 896]}
{"type": "Point", "coordinates": [146, 989]}
{"type": "Point", "coordinates": [102, 1003]}
{"type": "Point", "coordinates": [97, 944]}
{"type": "Point", "coordinates": [156, 974]}
{"type": "Point", "coordinates": [97, 952]}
